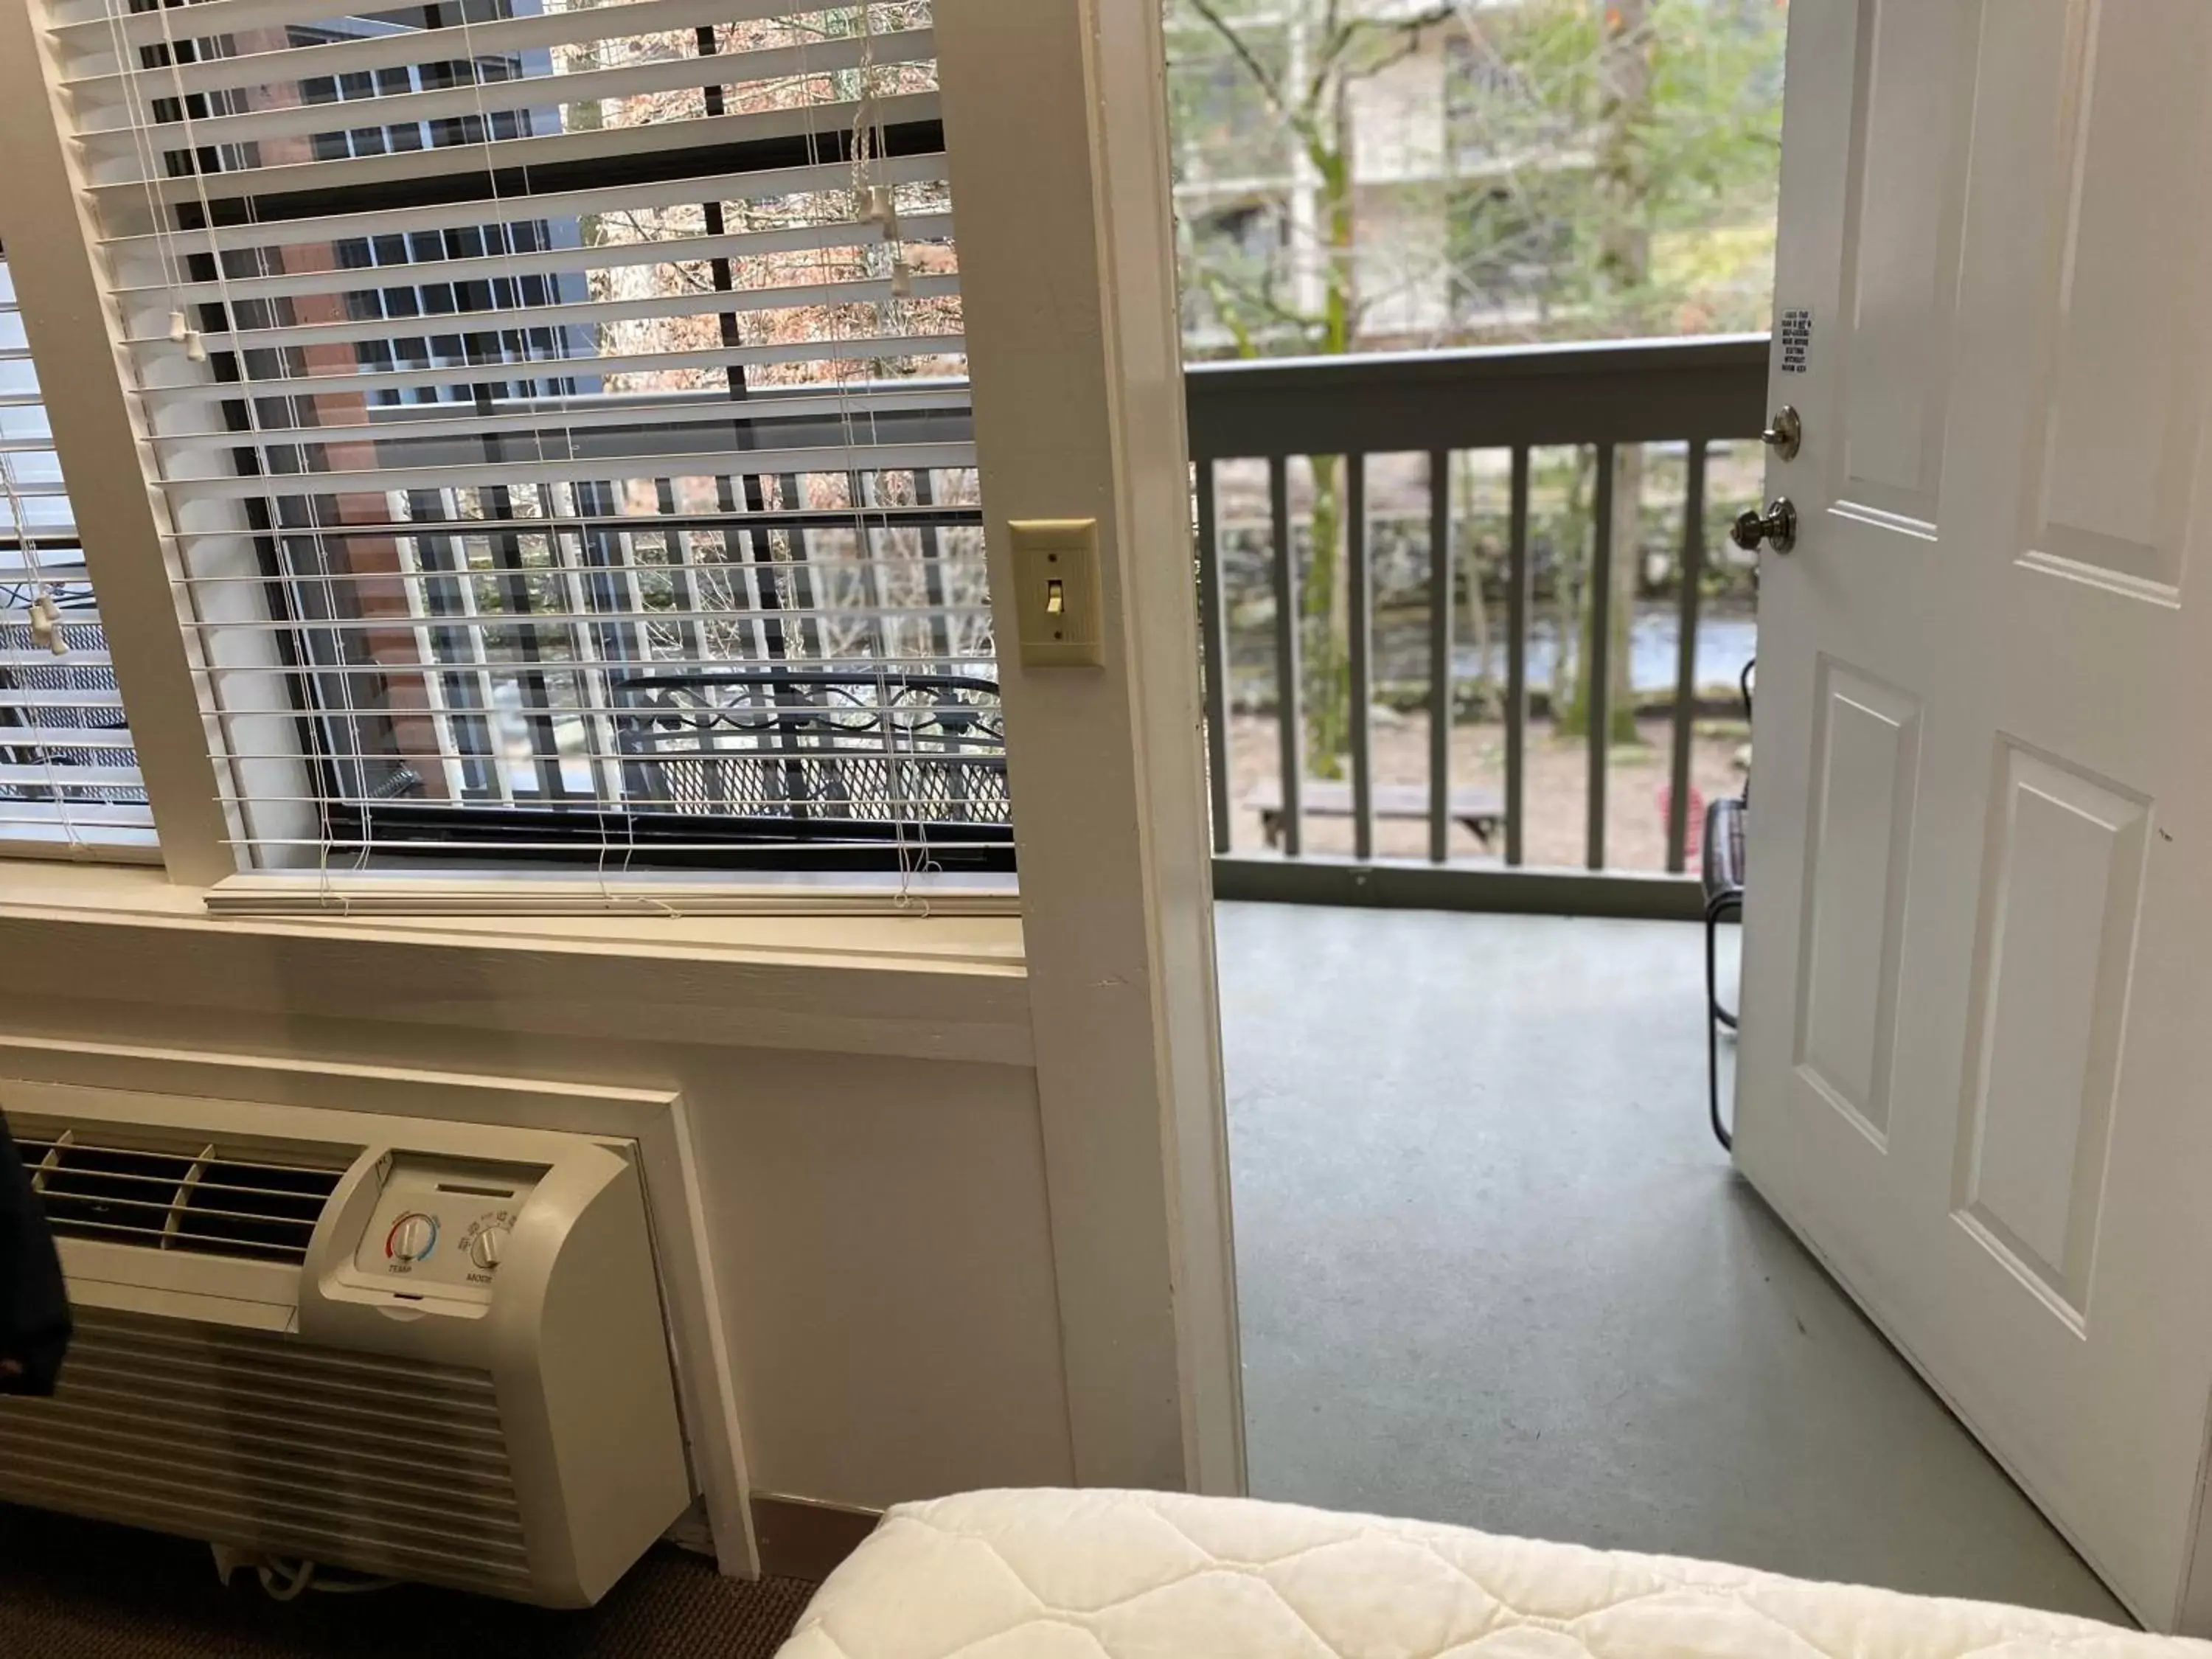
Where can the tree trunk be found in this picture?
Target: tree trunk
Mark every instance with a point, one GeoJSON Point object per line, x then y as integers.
{"type": "Point", "coordinates": [1620, 706]}
{"type": "Point", "coordinates": [1478, 610]}
{"type": "Point", "coordinates": [1623, 267]}
{"type": "Point", "coordinates": [1571, 601]}
{"type": "Point", "coordinates": [1627, 569]}
{"type": "Point", "coordinates": [1623, 174]}
{"type": "Point", "coordinates": [1326, 645]}
{"type": "Point", "coordinates": [1326, 602]}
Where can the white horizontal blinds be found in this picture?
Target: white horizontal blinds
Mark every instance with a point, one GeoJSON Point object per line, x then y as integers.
{"type": "Point", "coordinates": [69, 776]}
{"type": "Point", "coordinates": [563, 416]}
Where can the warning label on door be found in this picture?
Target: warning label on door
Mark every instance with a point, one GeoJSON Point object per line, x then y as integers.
{"type": "Point", "coordinates": [1796, 331]}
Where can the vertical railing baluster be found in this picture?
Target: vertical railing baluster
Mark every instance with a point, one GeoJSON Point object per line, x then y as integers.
{"type": "Point", "coordinates": [1362, 643]}
{"type": "Point", "coordinates": [1599, 708]}
{"type": "Point", "coordinates": [1289, 716]}
{"type": "Point", "coordinates": [1440, 641]}
{"type": "Point", "coordinates": [1516, 657]}
{"type": "Point", "coordinates": [1213, 649]}
{"type": "Point", "coordinates": [932, 576]}
{"type": "Point", "coordinates": [1685, 656]}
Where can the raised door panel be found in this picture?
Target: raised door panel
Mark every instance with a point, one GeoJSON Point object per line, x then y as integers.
{"type": "Point", "coordinates": [1902, 253]}
{"type": "Point", "coordinates": [2123, 411]}
{"type": "Point", "coordinates": [2060, 904]}
{"type": "Point", "coordinates": [1865, 778]}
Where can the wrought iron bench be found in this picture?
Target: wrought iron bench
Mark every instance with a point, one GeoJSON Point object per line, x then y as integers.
{"type": "Point", "coordinates": [824, 752]}
{"type": "Point", "coordinates": [1480, 812]}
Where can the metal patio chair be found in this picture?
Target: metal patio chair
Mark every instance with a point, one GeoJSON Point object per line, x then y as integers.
{"type": "Point", "coordinates": [1721, 873]}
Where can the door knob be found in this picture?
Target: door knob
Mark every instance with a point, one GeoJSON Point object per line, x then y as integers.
{"type": "Point", "coordinates": [1777, 526]}
{"type": "Point", "coordinates": [1785, 434]}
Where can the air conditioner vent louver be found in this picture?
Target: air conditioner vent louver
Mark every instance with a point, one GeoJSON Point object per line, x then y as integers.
{"type": "Point", "coordinates": [415, 1347]}
{"type": "Point", "coordinates": [211, 1199]}
{"type": "Point", "coordinates": [272, 1443]}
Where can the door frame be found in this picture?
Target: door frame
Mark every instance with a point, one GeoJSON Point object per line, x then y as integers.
{"type": "Point", "coordinates": [1055, 115]}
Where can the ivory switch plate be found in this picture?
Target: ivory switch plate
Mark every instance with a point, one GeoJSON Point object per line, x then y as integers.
{"type": "Point", "coordinates": [1056, 599]}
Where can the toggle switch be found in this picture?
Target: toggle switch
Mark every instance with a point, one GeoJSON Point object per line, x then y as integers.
{"type": "Point", "coordinates": [1057, 606]}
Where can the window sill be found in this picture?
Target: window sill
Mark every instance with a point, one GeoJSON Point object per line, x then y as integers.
{"type": "Point", "coordinates": [938, 987]}
{"type": "Point", "coordinates": [658, 896]}
{"type": "Point", "coordinates": [933, 935]}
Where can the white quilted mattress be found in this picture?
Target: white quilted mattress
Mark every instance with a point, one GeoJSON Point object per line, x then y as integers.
{"type": "Point", "coordinates": [1111, 1575]}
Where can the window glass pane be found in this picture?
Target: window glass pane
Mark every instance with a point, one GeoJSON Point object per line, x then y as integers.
{"type": "Point", "coordinates": [579, 426]}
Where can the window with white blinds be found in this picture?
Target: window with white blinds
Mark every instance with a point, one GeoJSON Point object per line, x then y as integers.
{"type": "Point", "coordinates": [562, 417]}
{"type": "Point", "coordinates": [68, 777]}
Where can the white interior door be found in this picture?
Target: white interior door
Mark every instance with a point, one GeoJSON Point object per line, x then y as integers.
{"type": "Point", "coordinates": [1976, 1056]}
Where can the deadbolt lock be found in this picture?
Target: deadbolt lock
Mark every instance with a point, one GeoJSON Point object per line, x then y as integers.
{"type": "Point", "coordinates": [1785, 434]}
{"type": "Point", "coordinates": [1777, 526]}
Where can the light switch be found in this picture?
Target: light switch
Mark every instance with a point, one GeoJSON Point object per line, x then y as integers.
{"type": "Point", "coordinates": [1057, 605]}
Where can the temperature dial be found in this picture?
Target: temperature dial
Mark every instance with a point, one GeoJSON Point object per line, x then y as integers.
{"type": "Point", "coordinates": [413, 1236]}
{"type": "Point", "coordinates": [486, 1249]}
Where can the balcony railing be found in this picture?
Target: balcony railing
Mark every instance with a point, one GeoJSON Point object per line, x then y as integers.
{"type": "Point", "coordinates": [1685, 397]}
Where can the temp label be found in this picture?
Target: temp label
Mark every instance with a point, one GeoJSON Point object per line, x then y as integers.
{"type": "Point", "coordinates": [1796, 331]}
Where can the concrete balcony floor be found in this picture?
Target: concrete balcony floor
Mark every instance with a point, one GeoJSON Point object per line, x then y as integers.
{"type": "Point", "coordinates": [1496, 1271]}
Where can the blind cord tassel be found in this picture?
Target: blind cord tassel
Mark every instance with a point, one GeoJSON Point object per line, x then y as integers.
{"type": "Point", "coordinates": [881, 208]}
{"type": "Point", "coordinates": [46, 624]}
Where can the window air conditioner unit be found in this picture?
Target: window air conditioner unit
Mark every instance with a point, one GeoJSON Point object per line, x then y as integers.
{"type": "Point", "coordinates": [417, 1349]}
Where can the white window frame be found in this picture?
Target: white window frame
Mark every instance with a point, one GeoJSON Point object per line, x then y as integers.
{"type": "Point", "coordinates": [249, 775]}
{"type": "Point", "coordinates": [61, 832]}
{"type": "Point", "coordinates": [45, 225]}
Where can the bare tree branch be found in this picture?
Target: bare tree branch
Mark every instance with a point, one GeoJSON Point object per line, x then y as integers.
{"type": "Point", "coordinates": [1335, 36]}
{"type": "Point", "coordinates": [1214, 279]}
{"type": "Point", "coordinates": [1409, 43]}
{"type": "Point", "coordinates": [1337, 39]}
{"type": "Point", "coordinates": [1269, 86]}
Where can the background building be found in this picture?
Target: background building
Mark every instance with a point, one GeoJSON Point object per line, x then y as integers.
{"type": "Point", "coordinates": [1393, 175]}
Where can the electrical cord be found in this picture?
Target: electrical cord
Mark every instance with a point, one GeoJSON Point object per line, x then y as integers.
{"type": "Point", "coordinates": [287, 1581]}
{"type": "Point", "coordinates": [353, 1586]}
{"type": "Point", "coordinates": [282, 1587]}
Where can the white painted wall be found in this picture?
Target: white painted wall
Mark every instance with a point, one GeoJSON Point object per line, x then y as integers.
{"type": "Point", "coordinates": [876, 1216]}
{"type": "Point", "coordinates": [967, 1179]}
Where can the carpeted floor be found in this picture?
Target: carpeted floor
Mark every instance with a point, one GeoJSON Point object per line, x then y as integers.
{"type": "Point", "coordinates": [71, 1589]}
